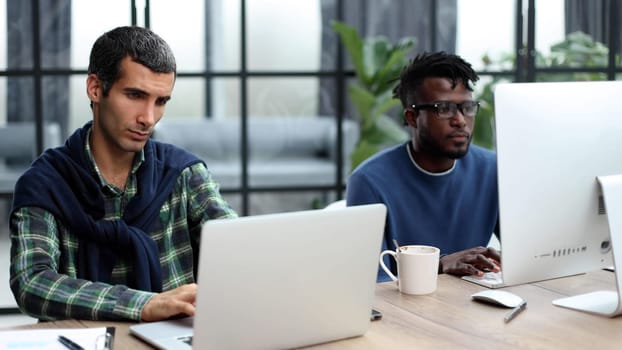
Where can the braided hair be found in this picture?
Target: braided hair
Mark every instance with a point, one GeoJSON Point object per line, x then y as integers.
{"type": "Point", "coordinates": [432, 65]}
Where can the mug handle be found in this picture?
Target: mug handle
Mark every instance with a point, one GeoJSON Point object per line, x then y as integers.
{"type": "Point", "coordinates": [384, 267]}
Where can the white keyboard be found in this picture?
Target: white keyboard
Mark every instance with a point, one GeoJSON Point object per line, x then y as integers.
{"type": "Point", "coordinates": [489, 279]}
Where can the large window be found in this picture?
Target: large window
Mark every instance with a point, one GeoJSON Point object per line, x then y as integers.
{"type": "Point", "coordinates": [245, 62]}
{"type": "Point", "coordinates": [270, 77]}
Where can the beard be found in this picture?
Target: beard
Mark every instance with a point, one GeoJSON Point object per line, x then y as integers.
{"type": "Point", "coordinates": [446, 149]}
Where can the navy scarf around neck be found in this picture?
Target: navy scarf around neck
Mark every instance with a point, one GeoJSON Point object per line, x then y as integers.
{"type": "Point", "coordinates": [61, 181]}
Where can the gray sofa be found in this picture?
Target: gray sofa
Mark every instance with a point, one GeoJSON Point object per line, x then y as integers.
{"type": "Point", "coordinates": [283, 151]}
{"type": "Point", "coordinates": [18, 148]}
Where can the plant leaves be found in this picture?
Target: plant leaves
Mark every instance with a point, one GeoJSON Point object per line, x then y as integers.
{"type": "Point", "coordinates": [362, 151]}
{"type": "Point", "coordinates": [363, 101]}
{"type": "Point", "coordinates": [384, 103]}
{"type": "Point", "coordinates": [354, 45]}
{"type": "Point", "coordinates": [385, 134]}
{"type": "Point", "coordinates": [386, 75]}
{"type": "Point", "coordinates": [377, 63]}
{"type": "Point", "coordinates": [375, 53]}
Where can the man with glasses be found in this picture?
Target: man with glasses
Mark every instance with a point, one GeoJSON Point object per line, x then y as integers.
{"type": "Point", "coordinates": [439, 189]}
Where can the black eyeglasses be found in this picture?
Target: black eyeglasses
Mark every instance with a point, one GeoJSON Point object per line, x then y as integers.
{"type": "Point", "coordinates": [448, 109]}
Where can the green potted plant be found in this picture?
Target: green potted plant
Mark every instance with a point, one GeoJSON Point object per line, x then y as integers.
{"type": "Point", "coordinates": [576, 50]}
{"type": "Point", "coordinates": [377, 64]}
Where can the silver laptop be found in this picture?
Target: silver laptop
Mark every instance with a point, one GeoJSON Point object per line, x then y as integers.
{"type": "Point", "coordinates": [280, 281]}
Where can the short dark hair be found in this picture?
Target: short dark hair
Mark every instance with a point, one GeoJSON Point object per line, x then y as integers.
{"type": "Point", "coordinates": [141, 44]}
{"type": "Point", "coordinates": [432, 65]}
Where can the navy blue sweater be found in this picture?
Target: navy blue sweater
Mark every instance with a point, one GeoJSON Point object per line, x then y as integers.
{"type": "Point", "coordinates": [61, 181]}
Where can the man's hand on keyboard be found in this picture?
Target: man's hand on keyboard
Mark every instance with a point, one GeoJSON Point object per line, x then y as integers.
{"type": "Point", "coordinates": [474, 261]}
{"type": "Point", "coordinates": [174, 302]}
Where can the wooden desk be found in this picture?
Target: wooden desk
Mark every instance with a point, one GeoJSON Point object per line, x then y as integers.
{"type": "Point", "coordinates": [449, 319]}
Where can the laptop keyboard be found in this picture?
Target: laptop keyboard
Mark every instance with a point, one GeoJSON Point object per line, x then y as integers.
{"type": "Point", "coordinates": [489, 279]}
{"type": "Point", "coordinates": [495, 278]}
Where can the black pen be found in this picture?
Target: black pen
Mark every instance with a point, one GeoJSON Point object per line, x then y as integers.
{"type": "Point", "coordinates": [69, 344]}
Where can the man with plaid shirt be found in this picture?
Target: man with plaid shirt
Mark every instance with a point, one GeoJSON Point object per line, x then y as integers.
{"type": "Point", "coordinates": [106, 227]}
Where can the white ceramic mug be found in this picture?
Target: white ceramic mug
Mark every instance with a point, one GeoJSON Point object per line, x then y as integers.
{"type": "Point", "coordinates": [417, 268]}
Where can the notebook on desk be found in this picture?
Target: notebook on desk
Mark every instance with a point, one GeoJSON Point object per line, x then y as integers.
{"type": "Point", "coordinates": [280, 281]}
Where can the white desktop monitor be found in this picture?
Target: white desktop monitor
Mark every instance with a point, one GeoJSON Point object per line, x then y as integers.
{"type": "Point", "coordinates": [553, 140]}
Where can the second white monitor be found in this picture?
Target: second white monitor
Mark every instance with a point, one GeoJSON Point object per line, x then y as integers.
{"type": "Point", "coordinates": [552, 141]}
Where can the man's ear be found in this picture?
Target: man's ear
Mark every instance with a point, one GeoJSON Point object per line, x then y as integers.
{"type": "Point", "coordinates": [93, 88]}
{"type": "Point", "coordinates": [410, 117]}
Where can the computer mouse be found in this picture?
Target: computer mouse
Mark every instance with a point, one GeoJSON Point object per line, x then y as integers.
{"type": "Point", "coordinates": [498, 297]}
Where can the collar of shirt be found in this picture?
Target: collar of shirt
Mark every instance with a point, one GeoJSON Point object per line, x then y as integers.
{"type": "Point", "coordinates": [412, 159]}
{"type": "Point", "coordinates": [138, 161]}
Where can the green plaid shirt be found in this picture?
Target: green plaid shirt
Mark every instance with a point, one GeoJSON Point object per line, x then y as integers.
{"type": "Point", "coordinates": [44, 252]}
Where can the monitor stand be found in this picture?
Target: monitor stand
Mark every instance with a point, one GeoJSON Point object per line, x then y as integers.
{"type": "Point", "coordinates": [605, 302]}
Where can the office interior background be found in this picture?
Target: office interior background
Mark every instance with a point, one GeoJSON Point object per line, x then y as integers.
{"type": "Point", "coordinates": [263, 66]}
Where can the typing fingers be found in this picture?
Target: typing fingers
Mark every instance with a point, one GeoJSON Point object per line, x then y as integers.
{"type": "Point", "coordinates": [484, 264]}
{"type": "Point", "coordinates": [174, 302]}
{"type": "Point", "coordinates": [493, 254]}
